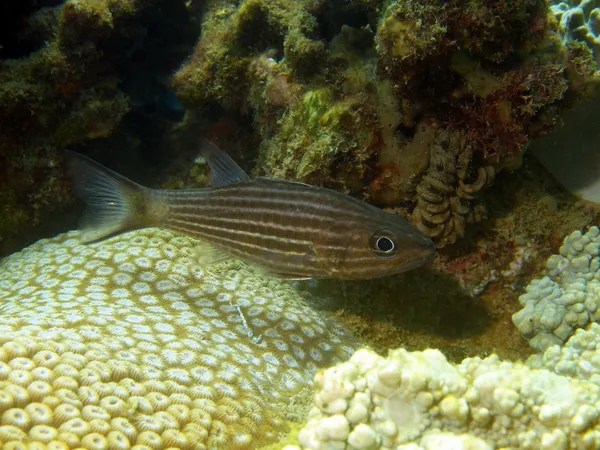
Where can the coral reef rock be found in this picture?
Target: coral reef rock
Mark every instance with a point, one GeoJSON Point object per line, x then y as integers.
{"type": "Point", "coordinates": [568, 297]}
{"type": "Point", "coordinates": [321, 140]}
{"type": "Point", "coordinates": [127, 342]}
{"type": "Point", "coordinates": [94, 63]}
{"type": "Point", "coordinates": [220, 72]}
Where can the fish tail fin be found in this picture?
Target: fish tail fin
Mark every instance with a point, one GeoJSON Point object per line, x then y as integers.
{"type": "Point", "coordinates": [114, 204]}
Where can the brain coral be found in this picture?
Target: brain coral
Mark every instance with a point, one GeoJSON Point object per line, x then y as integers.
{"type": "Point", "coordinates": [125, 344]}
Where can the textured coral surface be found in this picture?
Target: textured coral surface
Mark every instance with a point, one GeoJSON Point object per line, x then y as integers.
{"type": "Point", "coordinates": [565, 299]}
{"type": "Point", "coordinates": [128, 343]}
{"type": "Point", "coordinates": [579, 20]}
{"type": "Point", "coordinates": [409, 399]}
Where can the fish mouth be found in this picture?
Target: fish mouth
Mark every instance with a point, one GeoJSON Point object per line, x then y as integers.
{"type": "Point", "coordinates": [426, 249]}
{"type": "Point", "coordinates": [419, 251]}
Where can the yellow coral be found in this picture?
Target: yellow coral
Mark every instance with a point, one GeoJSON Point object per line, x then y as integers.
{"type": "Point", "coordinates": [102, 346]}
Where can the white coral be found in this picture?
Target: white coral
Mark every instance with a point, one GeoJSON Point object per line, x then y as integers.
{"type": "Point", "coordinates": [578, 358]}
{"type": "Point", "coordinates": [418, 400]}
{"type": "Point", "coordinates": [568, 298]}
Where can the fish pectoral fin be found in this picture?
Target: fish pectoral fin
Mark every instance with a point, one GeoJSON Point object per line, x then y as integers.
{"type": "Point", "coordinates": [264, 272]}
{"type": "Point", "coordinates": [325, 259]}
{"type": "Point", "coordinates": [207, 254]}
{"type": "Point", "coordinates": [223, 169]}
{"type": "Point", "coordinates": [309, 260]}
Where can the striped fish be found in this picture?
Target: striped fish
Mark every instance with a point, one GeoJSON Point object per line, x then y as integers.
{"type": "Point", "coordinates": [291, 230]}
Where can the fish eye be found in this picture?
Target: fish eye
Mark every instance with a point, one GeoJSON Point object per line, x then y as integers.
{"type": "Point", "coordinates": [383, 243]}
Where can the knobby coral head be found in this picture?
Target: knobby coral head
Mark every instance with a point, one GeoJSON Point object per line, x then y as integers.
{"type": "Point", "coordinates": [127, 342]}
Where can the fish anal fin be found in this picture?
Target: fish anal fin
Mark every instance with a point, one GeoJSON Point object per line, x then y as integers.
{"type": "Point", "coordinates": [288, 276]}
{"type": "Point", "coordinates": [224, 170]}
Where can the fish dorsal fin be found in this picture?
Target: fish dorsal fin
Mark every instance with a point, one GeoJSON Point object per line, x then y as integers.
{"type": "Point", "coordinates": [224, 170]}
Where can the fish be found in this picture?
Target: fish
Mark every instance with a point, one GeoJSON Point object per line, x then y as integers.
{"type": "Point", "coordinates": [288, 229]}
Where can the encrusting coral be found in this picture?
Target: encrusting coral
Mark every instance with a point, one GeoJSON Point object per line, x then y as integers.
{"type": "Point", "coordinates": [568, 297]}
{"type": "Point", "coordinates": [419, 401]}
{"type": "Point", "coordinates": [323, 138]}
{"type": "Point", "coordinates": [128, 344]}
{"type": "Point", "coordinates": [578, 358]}
{"type": "Point", "coordinates": [308, 130]}
{"type": "Point", "coordinates": [233, 34]}
{"type": "Point", "coordinates": [415, 36]}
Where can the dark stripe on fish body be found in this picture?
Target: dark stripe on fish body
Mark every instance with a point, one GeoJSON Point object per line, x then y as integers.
{"type": "Point", "coordinates": [269, 220]}
{"type": "Point", "coordinates": [269, 256]}
{"type": "Point", "coordinates": [279, 202]}
{"type": "Point", "coordinates": [254, 241]}
{"type": "Point", "coordinates": [256, 209]}
{"type": "Point", "coordinates": [224, 239]}
{"type": "Point", "coordinates": [305, 205]}
{"type": "Point", "coordinates": [243, 236]}
{"type": "Point", "coordinates": [272, 224]}
{"type": "Point", "coordinates": [248, 241]}
{"type": "Point", "coordinates": [277, 191]}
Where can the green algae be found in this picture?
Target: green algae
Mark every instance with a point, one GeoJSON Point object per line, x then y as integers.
{"type": "Point", "coordinates": [317, 133]}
